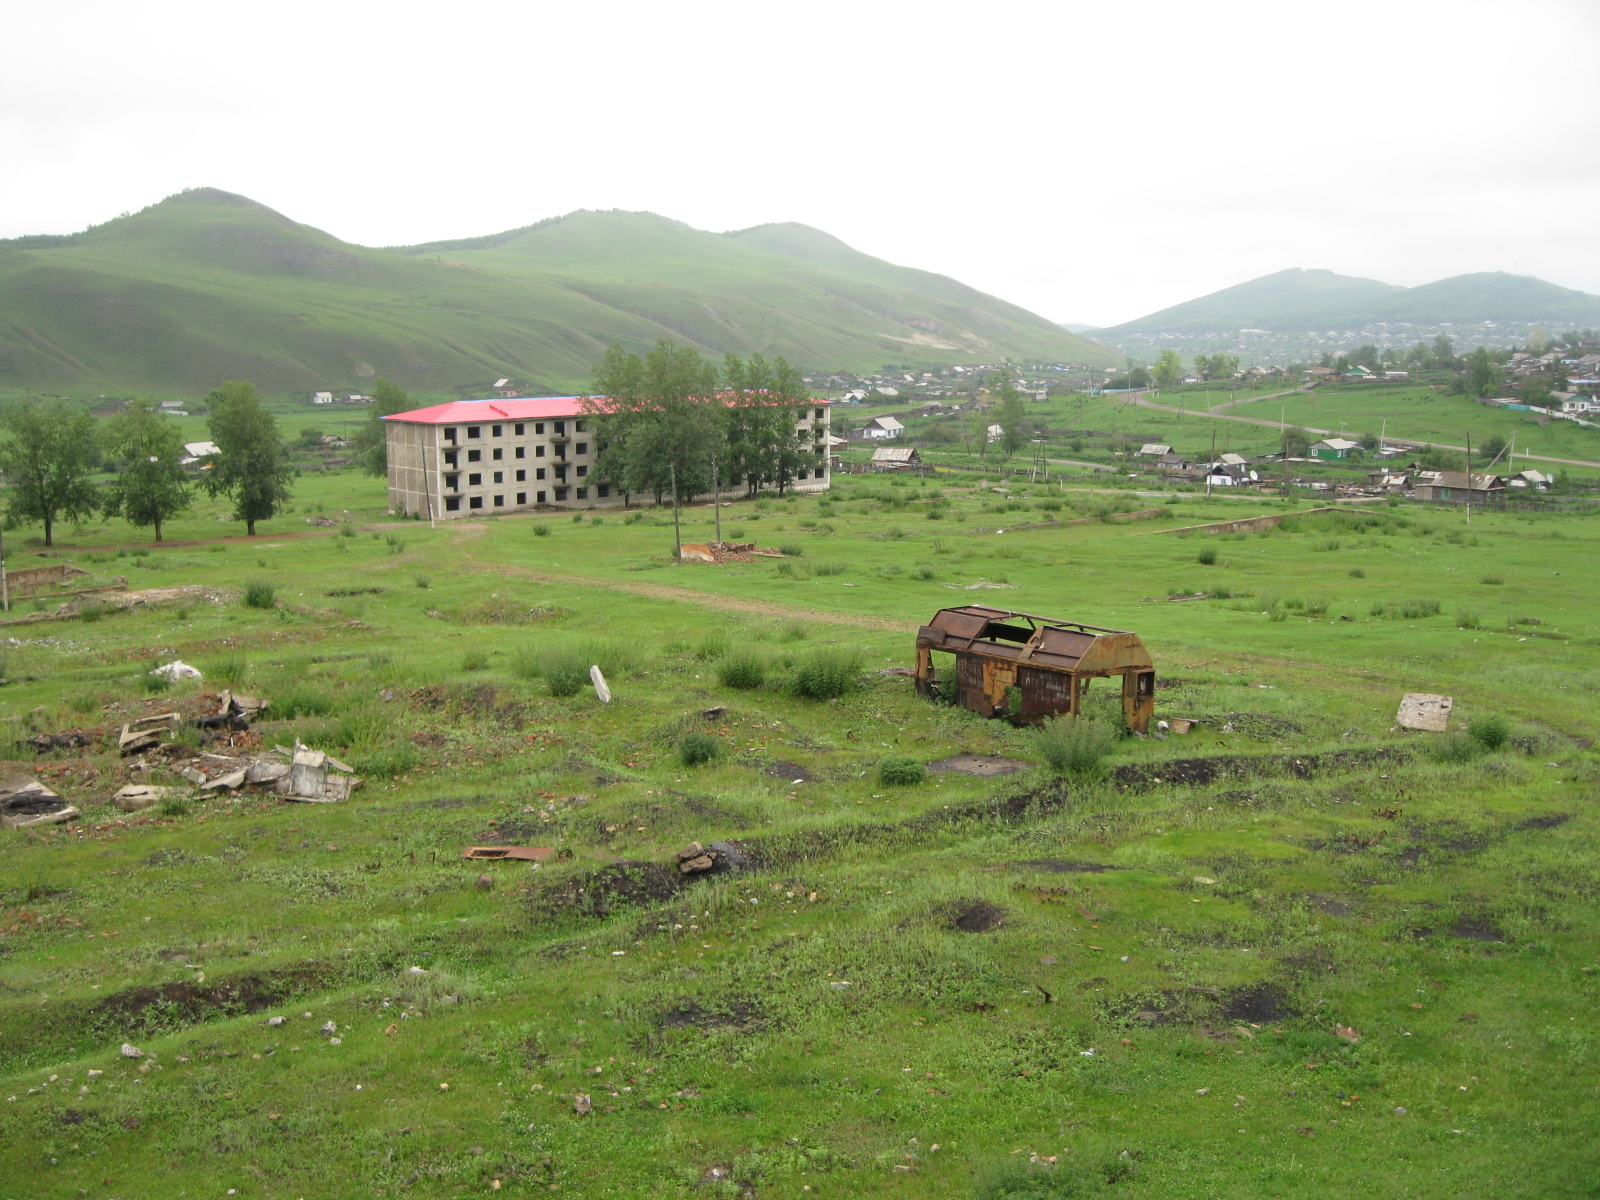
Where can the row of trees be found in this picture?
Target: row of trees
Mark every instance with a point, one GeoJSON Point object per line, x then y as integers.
{"type": "Point", "coordinates": [672, 420]}
{"type": "Point", "coordinates": [53, 449]}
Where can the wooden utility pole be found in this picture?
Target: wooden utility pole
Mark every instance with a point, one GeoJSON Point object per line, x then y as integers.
{"type": "Point", "coordinates": [5, 590]}
{"type": "Point", "coordinates": [716, 495]}
{"type": "Point", "coordinates": [1469, 478]}
{"type": "Point", "coordinates": [677, 533]}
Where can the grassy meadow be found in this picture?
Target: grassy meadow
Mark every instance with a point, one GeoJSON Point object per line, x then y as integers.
{"type": "Point", "coordinates": [1295, 953]}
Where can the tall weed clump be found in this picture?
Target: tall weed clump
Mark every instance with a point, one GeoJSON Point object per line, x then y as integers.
{"type": "Point", "coordinates": [1492, 733]}
{"type": "Point", "coordinates": [1074, 745]}
{"type": "Point", "coordinates": [742, 670]}
{"type": "Point", "coordinates": [826, 675]}
{"type": "Point", "coordinates": [259, 593]}
{"type": "Point", "coordinates": [696, 748]}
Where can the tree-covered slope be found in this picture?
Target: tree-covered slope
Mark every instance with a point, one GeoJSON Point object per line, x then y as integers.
{"type": "Point", "coordinates": [206, 285]}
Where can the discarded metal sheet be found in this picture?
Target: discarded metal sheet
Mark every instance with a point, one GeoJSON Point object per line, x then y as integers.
{"type": "Point", "coordinates": [516, 853]}
{"type": "Point", "coordinates": [1028, 668]}
{"type": "Point", "coordinates": [1424, 711]}
{"type": "Point", "coordinates": [600, 688]}
{"type": "Point", "coordinates": [25, 803]}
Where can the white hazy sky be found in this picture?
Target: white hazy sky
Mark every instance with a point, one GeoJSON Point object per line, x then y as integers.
{"type": "Point", "coordinates": [1090, 161]}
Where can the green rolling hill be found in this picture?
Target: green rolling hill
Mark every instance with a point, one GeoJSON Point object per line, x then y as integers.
{"type": "Point", "coordinates": [1296, 301]}
{"type": "Point", "coordinates": [208, 285]}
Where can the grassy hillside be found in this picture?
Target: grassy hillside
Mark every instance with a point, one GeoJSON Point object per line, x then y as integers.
{"type": "Point", "coordinates": [1298, 300]}
{"type": "Point", "coordinates": [1295, 954]}
{"type": "Point", "coordinates": [208, 285]}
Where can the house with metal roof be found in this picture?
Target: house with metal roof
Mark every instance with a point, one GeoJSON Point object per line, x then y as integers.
{"type": "Point", "coordinates": [1028, 668]}
{"type": "Point", "coordinates": [1331, 448]}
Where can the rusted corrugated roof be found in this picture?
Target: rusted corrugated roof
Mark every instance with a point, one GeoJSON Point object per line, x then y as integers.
{"type": "Point", "coordinates": [1002, 633]}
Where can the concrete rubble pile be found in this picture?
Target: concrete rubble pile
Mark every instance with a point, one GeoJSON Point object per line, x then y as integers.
{"type": "Point", "coordinates": [26, 803]}
{"type": "Point", "coordinates": [695, 859]}
{"type": "Point", "coordinates": [304, 774]}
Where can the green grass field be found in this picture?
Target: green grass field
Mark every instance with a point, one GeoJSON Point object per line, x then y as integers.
{"type": "Point", "coordinates": [1296, 953]}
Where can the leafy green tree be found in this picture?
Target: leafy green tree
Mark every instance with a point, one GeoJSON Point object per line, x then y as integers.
{"type": "Point", "coordinates": [46, 462]}
{"type": "Point", "coordinates": [151, 487]}
{"type": "Point", "coordinates": [1367, 356]}
{"type": "Point", "coordinates": [1536, 391]}
{"type": "Point", "coordinates": [655, 418]}
{"type": "Point", "coordinates": [372, 439]}
{"type": "Point", "coordinates": [250, 466]}
{"type": "Point", "coordinates": [1493, 447]}
{"type": "Point", "coordinates": [1169, 369]}
{"type": "Point", "coordinates": [1368, 440]}
{"type": "Point", "coordinates": [1483, 375]}
{"type": "Point", "coordinates": [1444, 350]}
{"type": "Point", "coordinates": [1202, 365]}
{"type": "Point", "coordinates": [1139, 377]}
{"type": "Point", "coordinates": [1008, 412]}
{"type": "Point", "coordinates": [1220, 366]}
{"type": "Point", "coordinates": [310, 437]}
{"type": "Point", "coordinates": [1296, 443]}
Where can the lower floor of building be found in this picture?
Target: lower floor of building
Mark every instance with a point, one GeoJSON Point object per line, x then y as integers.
{"type": "Point", "coordinates": [479, 502]}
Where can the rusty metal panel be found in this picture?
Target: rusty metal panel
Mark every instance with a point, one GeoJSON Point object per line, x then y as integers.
{"type": "Point", "coordinates": [1044, 691]}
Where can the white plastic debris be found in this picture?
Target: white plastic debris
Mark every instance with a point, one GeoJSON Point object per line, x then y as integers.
{"type": "Point", "coordinates": [600, 688]}
{"type": "Point", "coordinates": [177, 669]}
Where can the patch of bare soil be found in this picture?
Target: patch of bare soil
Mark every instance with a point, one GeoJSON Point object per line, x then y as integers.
{"type": "Point", "coordinates": [1061, 866]}
{"type": "Point", "coordinates": [1199, 772]}
{"type": "Point", "coordinates": [981, 766]}
{"type": "Point", "coordinates": [792, 771]}
{"type": "Point", "coordinates": [155, 1008]}
{"type": "Point", "coordinates": [972, 916]}
{"type": "Point", "coordinates": [614, 886]}
{"type": "Point", "coordinates": [1477, 929]}
{"type": "Point", "coordinates": [1260, 1003]}
{"type": "Point", "coordinates": [736, 1014]}
{"type": "Point", "coordinates": [480, 702]}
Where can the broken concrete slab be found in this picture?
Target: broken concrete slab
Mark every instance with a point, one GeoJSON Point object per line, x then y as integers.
{"type": "Point", "coordinates": [25, 803]}
{"type": "Point", "coordinates": [137, 797]}
{"type": "Point", "coordinates": [601, 688]}
{"type": "Point", "coordinates": [136, 741]}
{"type": "Point", "coordinates": [695, 859]}
{"type": "Point", "coordinates": [1424, 711]}
{"type": "Point", "coordinates": [230, 780]}
{"type": "Point", "coordinates": [316, 778]}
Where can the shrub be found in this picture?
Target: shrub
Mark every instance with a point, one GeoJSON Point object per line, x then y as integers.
{"type": "Point", "coordinates": [829, 568]}
{"type": "Point", "coordinates": [1469, 618]}
{"type": "Point", "coordinates": [363, 729]}
{"type": "Point", "coordinates": [300, 702]}
{"type": "Point", "coordinates": [935, 514]}
{"type": "Point", "coordinates": [1207, 556]}
{"type": "Point", "coordinates": [711, 648]}
{"type": "Point", "coordinates": [1023, 1181]}
{"type": "Point", "coordinates": [794, 631]}
{"type": "Point", "coordinates": [541, 530]}
{"type": "Point", "coordinates": [696, 748]}
{"type": "Point", "coordinates": [1492, 733]}
{"type": "Point", "coordinates": [924, 573]}
{"type": "Point", "coordinates": [1493, 580]}
{"type": "Point", "coordinates": [1412, 609]}
{"type": "Point", "coordinates": [565, 678]}
{"type": "Point", "coordinates": [1356, 573]}
{"type": "Point", "coordinates": [792, 550]}
{"type": "Point", "coordinates": [386, 760]}
{"type": "Point", "coordinates": [154, 684]}
{"type": "Point", "coordinates": [901, 771]}
{"type": "Point", "coordinates": [889, 570]}
{"type": "Point", "coordinates": [1456, 748]}
{"type": "Point", "coordinates": [348, 531]}
{"type": "Point", "coordinates": [1376, 609]}
{"type": "Point", "coordinates": [475, 660]}
{"type": "Point", "coordinates": [260, 594]}
{"type": "Point", "coordinates": [173, 807]}
{"type": "Point", "coordinates": [744, 671]}
{"type": "Point", "coordinates": [423, 581]}
{"type": "Point", "coordinates": [91, 612]}
{"type": "Point", "coordinates": [230, 670]}
{"type": "Point", "coordinates": [826, 675]}
{"type": "Point", "coordinates": [1074, 745]}
{"type": "Point", "coordinates": [1316, 606]}
{"type": "Point", "coordinates": [577, 518]}
{"type": "Point", "coordinates": [1278, 612]}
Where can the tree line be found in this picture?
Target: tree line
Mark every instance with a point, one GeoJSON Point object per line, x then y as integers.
{"type": "Point", "coordinates": [52, 450]}
{"type": "Point", "coordinates": [671, 422]}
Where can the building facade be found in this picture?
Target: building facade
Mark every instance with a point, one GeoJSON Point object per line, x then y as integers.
{"type": "Point", "coordinates": [476, 457]}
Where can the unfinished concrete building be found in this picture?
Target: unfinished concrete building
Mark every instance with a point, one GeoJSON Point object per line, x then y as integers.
{"type": "Point", "coordinates": [472, 458]}
{"type": "Point", "coordinates": [1049, 663]}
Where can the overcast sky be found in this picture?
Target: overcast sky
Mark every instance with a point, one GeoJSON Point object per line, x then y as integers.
{"type": "Point", "coordinates": [1091, 161]}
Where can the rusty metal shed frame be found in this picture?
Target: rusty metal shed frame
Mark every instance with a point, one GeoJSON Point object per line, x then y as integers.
{"type": "Point", "coordinates": [1049, 661]}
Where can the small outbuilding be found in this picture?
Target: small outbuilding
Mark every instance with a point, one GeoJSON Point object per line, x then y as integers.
{"type": "Point", "coordinates": [1048, 663]}
{"type": "Point", "coordinates": [895, 458]}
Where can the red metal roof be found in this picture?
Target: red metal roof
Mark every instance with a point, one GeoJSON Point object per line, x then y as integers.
{"type": "Point", "coordinates": [535, 408]}
{"type": "Point", "coordinates": [467, 412]}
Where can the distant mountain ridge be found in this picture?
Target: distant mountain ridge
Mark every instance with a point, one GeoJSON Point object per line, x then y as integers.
{"type": "Point", "coordinates": [1298, 301]}
{"type": "Point", "coordinates": [208, 285]}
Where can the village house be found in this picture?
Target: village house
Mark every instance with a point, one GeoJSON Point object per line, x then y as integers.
{"type": "Point", "coordinates": [1154, 450]}
{"type": "Point", "coordinates": [895, 458]}
{"type": "Point", "coordinates": [1537, 480]}
{"type": "Point", "coordinates": [475, 457]}
{"type": "Point", "coordinates": [1456, 487]}
{"type": "Point", "coordinates": [882, 427]}
{"type": "Point", "coordinates": [1333, 448]}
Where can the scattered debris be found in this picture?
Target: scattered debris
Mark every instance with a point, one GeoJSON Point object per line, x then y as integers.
{"type": "Point", "coordinates": [723, 552]}
{"type": "Point", "coordinates": [600, 688]}
{"type": "Point", "coordinates": [25, 803]}
{"type": "Point", "coordinates": [137, 741]}
{"type": "Point", "coordinates": [1180, 725]}
{"type": "Point", "coordinates": [484, 883]}
{"type": "Point", "coordinates": [694, 859]}
{"type": "Point", "coordinates": [715, 713]}
{"type": "Point", "coordinates": [581, 1103]}
{"type": "Point", "coordinates": [177, 670]}
{"type": "Point", "coordinates": [309, 778]}
{"type": "Point", "coordinates": [129, 1050]}
{"type": "Point", "coordinates": [513, 853]}
{"type": "Point", "coordinates": [1424, 711]}
{"type": "Point", "coordinates": [72, 739]}
{"type": "Point", "coordinates": [233, 712]}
